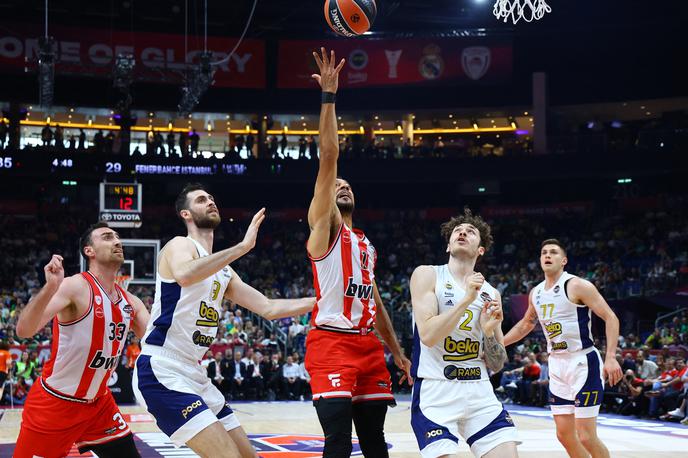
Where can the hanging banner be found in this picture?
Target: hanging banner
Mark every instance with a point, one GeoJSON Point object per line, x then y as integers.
{"type": "Point", "coordinates": [159, 57]}
{"type": "Point", "coordinates": [395, 62]}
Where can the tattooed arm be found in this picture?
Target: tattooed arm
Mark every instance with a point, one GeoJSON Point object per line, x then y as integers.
{"type": "Point", "coordinates": [491, 318]}
{"type": "Point", "coordinates": [523, 327]}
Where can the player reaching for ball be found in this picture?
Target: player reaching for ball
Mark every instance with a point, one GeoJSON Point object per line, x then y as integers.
{"type": "Point", "coordinates": [457, 337]}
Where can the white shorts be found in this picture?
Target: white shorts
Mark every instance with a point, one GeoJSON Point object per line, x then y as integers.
{"type": "Point", "coordinates": [442, 410]}
{"type": "Point", "coordinates": [576, 383]}
{"type": "Point", "coordinates": [180, 396]}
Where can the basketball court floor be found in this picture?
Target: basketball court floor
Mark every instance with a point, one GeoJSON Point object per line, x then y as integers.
{"type": "Point", "coordinates": [291, 430]}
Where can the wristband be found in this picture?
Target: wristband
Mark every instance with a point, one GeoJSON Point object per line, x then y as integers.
{"type": "Point", "coordinates": [329, 97]}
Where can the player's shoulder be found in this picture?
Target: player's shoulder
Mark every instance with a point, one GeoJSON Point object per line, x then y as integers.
{"type": "Point", "coordinates": [578, 284]}
{"type": "Point", "coordinates": [179, 243]}
{"type": "Point", "coordinates": [424, 274]}
{"type": "Point", "coordinates": [74, 283]}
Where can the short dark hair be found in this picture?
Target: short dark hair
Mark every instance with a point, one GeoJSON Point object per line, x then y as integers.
{"type": "Point", "coordinates": [476, 221]}
{"type": "Point", "coordinates": [182, 202]}
{"type": "Point", "coordinates": [554, 242]}
{"type": "Point", "coordinates": [86, 240]}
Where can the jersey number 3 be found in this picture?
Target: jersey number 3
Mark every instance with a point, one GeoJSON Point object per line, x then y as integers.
{"type": "Point", "coordinates": [117, 331]}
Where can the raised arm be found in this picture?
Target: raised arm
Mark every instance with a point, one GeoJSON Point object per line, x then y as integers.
{"type": "Point", "coordinates": [383, 325]}
{"type": "Point", "coordinates": [55, 296]}
{"type": "Point", "coordinates": [272, 309]}
{"type": "Point", "coordinates": [432, 327]}
{"type": "Point", "coordinates": [323, 212]}
{"type": "Point", "coordinates": [523, 327]}
{"type": "Point", "coordinates": [491, 318]}
{"type": "Point", "coordinates": [179, 261]}
{"type": "Point", "coordinates": [583, 292]}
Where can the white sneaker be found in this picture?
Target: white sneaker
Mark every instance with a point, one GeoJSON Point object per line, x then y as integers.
{"type": "Point", "coordinates": [676, 413]}
{"type": "Point", "coordinates": [512, 385]}
{"type": "Point", "coordinates": [500, 389]}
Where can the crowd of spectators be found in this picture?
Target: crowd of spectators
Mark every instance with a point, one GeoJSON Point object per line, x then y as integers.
{"type": "Point", "coordinates": [625, 255]}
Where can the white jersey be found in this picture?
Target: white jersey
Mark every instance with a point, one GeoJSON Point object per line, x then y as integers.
{"type": "Point", "coordinates": [185, 319]}
{"type": "Point", "coordinates": [458, 355]}
{"type": "Point", "coordinates": [566, 325]}
{"type": "Point", "coordinates": [85, 351]}
{"type": "Point", "coordinates": [343, 281]}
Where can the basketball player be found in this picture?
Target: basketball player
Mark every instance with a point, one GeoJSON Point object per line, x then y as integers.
{"type": "Point", "coordinates": [191, 284]}
{"type": "Point", "coordinates": [457, 337]}
{"type": "Point", "coordinates": [349, 378]}
{"type": "Point", "coordinates": [91, 317]}
{"type": "Point", "coordinates": [562, 304]}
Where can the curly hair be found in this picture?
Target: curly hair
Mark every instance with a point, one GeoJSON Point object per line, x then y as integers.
{"type": "Point", "coordinates": [474, 220]}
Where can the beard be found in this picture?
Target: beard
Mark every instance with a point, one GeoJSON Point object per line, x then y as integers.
{"type": "Point", "coordinates": [205, 221]}
{"type": "Point", "coordinates": [346, 207]}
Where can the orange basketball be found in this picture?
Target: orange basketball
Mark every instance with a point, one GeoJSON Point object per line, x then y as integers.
{"type": "Point", "coordinates": [350, 18]}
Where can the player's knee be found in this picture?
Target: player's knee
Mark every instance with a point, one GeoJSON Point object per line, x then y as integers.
{"type": "Point", "coordinates": [566, 437]}
{"type": "Point", "coordinates": [587, 438]}
{"type": "Point", "coordinates": [335, 419]}
{"type": "Point", "coordinates": [123, 447]}
{"type": "Point", "coordinates": [369, 419]}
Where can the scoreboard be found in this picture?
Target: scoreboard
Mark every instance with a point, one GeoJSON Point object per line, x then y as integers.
{"type": "Point", "coordinates": [120, 204]}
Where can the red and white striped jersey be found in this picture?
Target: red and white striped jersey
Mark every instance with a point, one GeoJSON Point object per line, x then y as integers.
{"type": "Point", "coordinates": [85, 351]}
{"type": "Point", "coordinates": [343, 281]}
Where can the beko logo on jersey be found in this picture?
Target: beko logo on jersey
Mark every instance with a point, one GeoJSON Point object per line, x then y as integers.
{"type": "Point", "coordinates": [188, 409]}
{"type": "Point", "coordinates": [212, 318]}
{"type": "Point", "coordinates": [101, 361]}
{"type": "Point", "coordinates": [553, 329]}
{"type": "Point", "coordinates": [354, 289]}
{"type": "Point", "coordinates": [465, 349]}
{"type": "Point", "coordinates": [201, 340]}
{"type": "Point", "coordinates": [434, 433]}
{"type": "Point", "coordinates": [560, 346]}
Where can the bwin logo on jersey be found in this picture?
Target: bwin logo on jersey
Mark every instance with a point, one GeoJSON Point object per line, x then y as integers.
{"type": "Point", "coordinates": [465, 349]}
{"type": "Point", "coordinates": [357, 290]}
{"type": "Point", "coordinates": [101, 361]}
{"type": "Point", "coordinates": [434, 433]}
{"type": "Point", "coordinates": [553, 329]}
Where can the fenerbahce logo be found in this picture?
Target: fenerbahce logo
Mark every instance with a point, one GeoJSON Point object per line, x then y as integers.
{"type": "Point", "coordinates": [464, 349]}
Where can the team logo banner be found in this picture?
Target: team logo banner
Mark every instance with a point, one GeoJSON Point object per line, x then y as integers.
{"type": "Point", "coordinates": [394, 62]}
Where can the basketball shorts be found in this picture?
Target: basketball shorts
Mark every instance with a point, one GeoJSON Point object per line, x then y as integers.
{"type": "Point", "coordinates": [51, 426]}
{"type": "Point", "coordinates": [179, 394]}
{"type": "Point", "coordinates": [576, 384]}
{"type": "Point", "coordinates": [442, 410]}
{"type": "Point", "coordinates": [347, 366]}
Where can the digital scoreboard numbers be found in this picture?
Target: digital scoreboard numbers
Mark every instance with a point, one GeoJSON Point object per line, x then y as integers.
{"type": "Point", "coordinates": [120, 204]}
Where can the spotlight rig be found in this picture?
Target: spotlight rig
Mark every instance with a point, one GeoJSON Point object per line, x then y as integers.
{"type": "Point", "coordinates": [198, 80]}
{"type": "Point", "coordinates": [46, 71]}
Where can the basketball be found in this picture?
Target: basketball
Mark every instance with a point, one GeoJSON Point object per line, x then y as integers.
{"type": "Point", "coordinates": [350, 18]}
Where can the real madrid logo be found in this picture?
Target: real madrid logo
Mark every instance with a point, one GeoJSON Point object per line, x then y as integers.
{"type": "Point", "coordinates": [556, 289]}
{"type": "Point", "coordinates": [449, 286]}
{"type": "Point", "coordinates": [431, 65]}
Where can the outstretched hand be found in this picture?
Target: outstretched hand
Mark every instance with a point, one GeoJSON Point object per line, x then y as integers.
{"type": "Point", "coordinates": [252, 232]}
{"type": "Point", "coordinates": [328, 79]}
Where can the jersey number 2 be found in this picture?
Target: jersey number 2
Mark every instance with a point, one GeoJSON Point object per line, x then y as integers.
{"type": "Point", "coordinates": [464, 325]}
